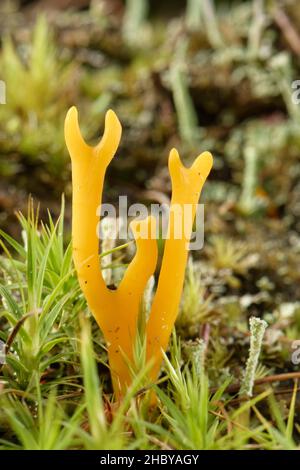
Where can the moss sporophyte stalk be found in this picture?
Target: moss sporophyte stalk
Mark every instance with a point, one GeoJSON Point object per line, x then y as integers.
{"type": "Point", "coordinates": [117, 311]}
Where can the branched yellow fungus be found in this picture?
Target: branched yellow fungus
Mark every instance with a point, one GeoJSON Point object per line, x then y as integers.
{"type": "Point", "coordinates": [116, 311]}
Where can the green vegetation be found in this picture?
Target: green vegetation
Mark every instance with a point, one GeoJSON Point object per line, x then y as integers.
{"type": "Point", "coordinates": [56, 369]}
{"type": "Point", "coordinates": [36, 97]}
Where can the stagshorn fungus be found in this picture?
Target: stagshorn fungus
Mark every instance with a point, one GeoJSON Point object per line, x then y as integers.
{"type": "Point", "coordinates": [117, 311]}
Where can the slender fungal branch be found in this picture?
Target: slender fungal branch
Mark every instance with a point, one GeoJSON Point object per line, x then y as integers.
{"type": "Point", "coordinates": [187, 184]}
{"type": "Point", "coordinates": [117, 311]}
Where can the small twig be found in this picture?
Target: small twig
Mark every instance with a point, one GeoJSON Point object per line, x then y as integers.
{"type": "Point", "coordinates": [288, 30]}
{"type": "Point", "coordinates": [14, 333]}
{"type": "Point", "coordinates": [66, 396]}
{"type": "Point", "coordinates": [205, 335]}
{"type": "Point", "coordinates": [240, 399]}
{"type": "Point", "coordinates": [159, 443]}
{"type": "Point", "coordinates": [286, 391]}
{"type": "Point", "coordinates": [226, 417]}
{"type": "Point", "coordinates": [234, 423]}
{"type": "Point", "coordinates": [234, 388]}
{"type": "Point", "coordinates": [278, 378]}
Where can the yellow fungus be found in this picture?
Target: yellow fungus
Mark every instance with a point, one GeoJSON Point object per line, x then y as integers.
{"type": "Point", "coordinates": [187, 184]}
{"type": "Point", "coordinates": [116, 311]}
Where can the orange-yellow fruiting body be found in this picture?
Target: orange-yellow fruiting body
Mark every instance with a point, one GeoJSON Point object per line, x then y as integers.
{"type": "Point", "coordinates": [117, 311]}
{"type": "Point", "coordinates": [187, 184]}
